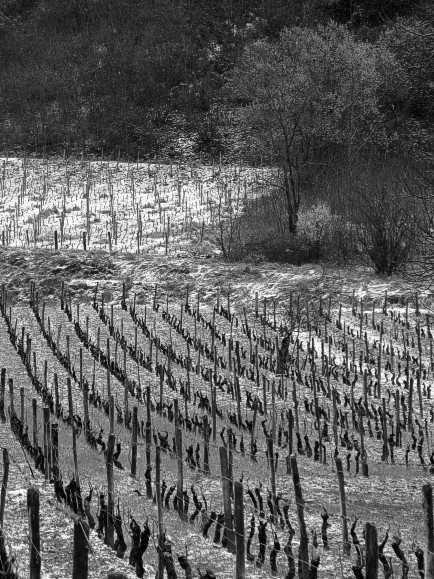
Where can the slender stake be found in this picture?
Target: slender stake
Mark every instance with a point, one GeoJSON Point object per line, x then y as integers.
{"type": "Point", "coordinates": [34, 536]}
{"type": "Point", "coordinates": [80, 561]}
{"type": "Point", "coordinates": [206, 445]}
{"type": "Point", "coordinates": [229, 532]}
{"type": "Point", "coordinates": [47, 437]}
{"type": "Point", "coordinates": [110, 537]}
{"type": "Point", "coordinates": [4, 485]}
{"type": "Point", "coordinates": [160, 571]}
{"type": "Point", "coordinates": [340, 473]}
{"type": "Point", "coordinates": [371, 542]}
{"type": "Point", "coordinates": [180, 482]}
{"type": "Point", "coordinates": [303, 554]}
{"type": "Point", "coordinates": [134, 442]}
{"type": "Point", "coordinates": [240, 572]}
{"type": "Point", "coordinates": [35, 421]}
{"type": "Point", "coordinates": [427, 503]}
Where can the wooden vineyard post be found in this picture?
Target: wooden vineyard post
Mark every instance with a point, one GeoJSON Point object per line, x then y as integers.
{"type": "Point", "coordinates": [397, 419]}
{"type": "Point", "coordinates": [112, 414]}
{"type": "Point", "coordinates": [371, 542]}
{"type": "Point", "coordinates": [29, 351]}
{"type": "Point", "coordinates": [68, 353]}
{"type": "Point", "coordinates": [2, 388]}
{"type": "Point", "coordinates": [47, 436]}
{"type": "Point", "coordinates": [160, 572]}
{"type": "Point", "coordinates": [353, 369]}
{"type": "Point", "coordinates": [126, 394]}
{"type": "Point", "coordinates": [74, 436]}
{"type": "Point", "coordinates": [273, 411]}
{"type": "Point", "coordinates": [161, 387]}
{"type": "Point", "coordinates": [34, 536]}
{"type": "Point", "coordinates": [392, 357]}
{"type": "Point", "coordinates": [303, 554]}
{"type": "Point", "coordinates": [110, 538]}
{"type": "Point", "coordinates": [35, 421]}
{"type": "Point", "coordinates": [169, 358]}
{"type": "Point", "coordinates": [85, 389]}
{"type": "Point", "coordinates": [238, 397]}
{"type": "Point", "coordinates": [379, 362]}
{"type": "Point", "coordinates": [362, 445]}
{"type": "Point", "coordinates": [290, 440]}
{"type": "Point", "coordinates": [257, 367]}
{"type": "Point", "coordinates": [22, 405]}
{"type": "Point", "coordinates": [317, 415]}
{"type": "Point", "coordinates": [55, 450]}
{"type": "Point", "coordinates": [419, 345]}
{"type": "Point", "coordinates": [385, 446]}
{"type": "Point", "coordinates": [340, 473]}
{"type": "Point", "coordinates": [45, 374]}
{"type": "Point", "coordinates": [214, 412]}
{"type": "Point", "coordinates": [11, 395]}
{"type": "Point", "coordinates": [148, 441]}
{"type": "Point", "coordinates": [419, 393]}
{"type": "Point", "coordinates": [206, 444]}
{"type": "Point", "coordinates": [229, 532]}
{"type": "Point", "coordinates": [322, 357]}
{"type": "Point", "coordinates": [186, 394]}
{"type": "Point", "coordinates": [240, 572]}
{"type": "Point", "coordinates": [108, 369]}
{"type": "Point", "coordinates": [231, 461]}
{"type": "Point", "coordinates": [56, 395]}
{"type": "Point", "coordinates": [264, 319]}
{"type": "Point", "coordinates": [272, 478]}
{"type": "Point", "coordinates": [410, 403]}
{"type": "Point", "coordinates": [252, 440]}
{"type": "Point", "coordinates": [80, 561]}
{"type": "Point", "coordinates": [294, 397]}
{"type": "Point", "coordinates": [180, 481]}
{"type": "Point", "coordinates": [134, 442]}
{"type": "Point", "coordinates": [335, 418]}
{"type": "Point", "coordinates": [427, 504]}
{"type": "Point", "coordinates": [264, 394]}
{"type": "Point", "coordinates": [4, 485]}
{"type": "Point", "coordinates": [365, 387]}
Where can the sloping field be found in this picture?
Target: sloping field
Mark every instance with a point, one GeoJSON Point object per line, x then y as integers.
{"type": "Point", "coordinates": [286, 351]}
{"type": "Point", "coordinates": [138, 208]}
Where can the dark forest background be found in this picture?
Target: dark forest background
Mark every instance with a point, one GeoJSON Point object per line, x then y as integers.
{"type": "Point", "coordinates": [149, 76]}
{"type": "Point", "coordinates": [336, 95]}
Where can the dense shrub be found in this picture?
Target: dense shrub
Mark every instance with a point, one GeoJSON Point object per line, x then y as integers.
{"type": "Point", "coordinates": [314, 229]}
{"type": "Point", "coordinates": [384, 228]}
{"type": "Point", "coordinates": [263, 232]}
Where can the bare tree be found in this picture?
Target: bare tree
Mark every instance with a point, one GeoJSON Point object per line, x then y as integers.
{"type": "Point", "coordinates": [418, 191]}
{"type": "Point", "coordinates": [310, 91]}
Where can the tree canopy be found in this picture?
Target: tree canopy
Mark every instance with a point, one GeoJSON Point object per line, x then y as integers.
{"type": "Point", "coordinates": [312, 90]}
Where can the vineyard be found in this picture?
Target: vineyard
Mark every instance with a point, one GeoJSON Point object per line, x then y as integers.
{"type": "Point", "coordinates": [187, 423]}
{"type": "Point", "coordinates": [138, 208]}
